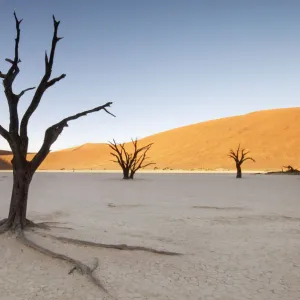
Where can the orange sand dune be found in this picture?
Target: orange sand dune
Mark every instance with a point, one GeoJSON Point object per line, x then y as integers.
{"type": "Point", "coordinates": [5, 159]}
{"type": "Point", "coordinates": [272, 136]}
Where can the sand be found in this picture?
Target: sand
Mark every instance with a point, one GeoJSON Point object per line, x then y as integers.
{"type": "Point", "coordinates": [240, 239]}
{"type": "Point", "coordinates": [271, 136]}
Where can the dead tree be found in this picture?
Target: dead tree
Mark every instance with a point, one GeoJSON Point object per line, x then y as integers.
{"type": "Point", "coordinates": [290, 169]}
{"type": "Point", "coordinates": [130, 162]}
{"type": "Point", "coordinates": [23, 170]}
{"type": "Point", "coordinates": [17, 134]}
{"type": "Point", "coordinates": [239, 157]}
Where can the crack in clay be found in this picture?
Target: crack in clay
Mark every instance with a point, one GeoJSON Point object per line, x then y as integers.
{"type": "Point", "coordinates": [123, 205]}
{"type": "Point", "coordinates": [219, 207]}
{"type": "Point", "coordinates": [255, 218]}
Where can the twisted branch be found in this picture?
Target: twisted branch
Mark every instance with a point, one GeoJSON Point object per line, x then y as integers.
{"type": "Point", "coordinates": [240, 155]}
{"type": "Point", "coordinates": [130, 161]}
{"type": "Point", "coordinates": [55, 130]}
{"type": "Point", "coordinates": [44, 83]}
{"type": "Point", "coordinates": [24, 91]}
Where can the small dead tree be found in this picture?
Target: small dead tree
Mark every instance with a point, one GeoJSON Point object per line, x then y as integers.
{"type": "Point", "coordinates": [240, 156]}
{"type": "Point", "coordinates": [17, 134]}
{"type": "Point", "coordinates": [290, 169]}
{"type": "Point", "coordinates": [130, 162]}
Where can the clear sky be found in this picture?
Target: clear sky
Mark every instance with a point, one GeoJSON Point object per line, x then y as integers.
{"type": "Point", "coordinates": [164, 63]}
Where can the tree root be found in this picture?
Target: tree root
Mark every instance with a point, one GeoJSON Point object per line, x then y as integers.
{"type": "Point", "coordinates": [6, 225]}
{"type": "Point", "coordinates": [46, 225]}
{"type": "Point", "coordinates": [42, 225]}
{"type": "Point", "coordinates": [3, 229]}
{"type": "Point", "coordinates": [81, 267]}
{"type": "Point", "coordinates": [3, 222]}
{"type": "Point", "coordinates": [77, 265]}
{"type": "Point", "coordinates": [108, 246]}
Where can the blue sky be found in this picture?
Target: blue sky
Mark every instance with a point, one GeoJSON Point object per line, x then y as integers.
{"type": "Point", "coordinates": [164, 63]}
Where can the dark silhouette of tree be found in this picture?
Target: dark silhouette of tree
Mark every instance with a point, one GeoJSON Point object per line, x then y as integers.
{"type": "Point", "coordinates": [239, 157]}
{"type": "Point", "coordinates": [23, 170]}
{"type": "Point", "coordinates": [290, 169]}
{"type": "Point", "coordinates": [17, 135]}
{"type": "Point", "coordinates": [130, 162]}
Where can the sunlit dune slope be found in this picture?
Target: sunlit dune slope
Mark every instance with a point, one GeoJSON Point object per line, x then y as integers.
{"type": "Point", "coordinates": [272, 136]}
{"type": "Point", "coordinates": [85, 157]}
{"type": "Point", "coordinates": [5, 159]}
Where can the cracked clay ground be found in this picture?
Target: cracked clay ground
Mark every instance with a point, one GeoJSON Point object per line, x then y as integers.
{"type": "Point", "coordinates": [240, 239]}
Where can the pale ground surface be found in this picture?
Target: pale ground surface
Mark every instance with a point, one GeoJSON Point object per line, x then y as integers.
{"type": "Point", "coordinates": [240, 238]}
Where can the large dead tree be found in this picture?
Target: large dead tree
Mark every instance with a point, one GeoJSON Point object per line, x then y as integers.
{"type": "Point", "coordinates": [17, 134]}
{"type": "Point", "coordinates": [130, 162]}
{"type": "Point", "coordinates": [23, 170]}
{"type": "Point", "coordinates": [239, 156]}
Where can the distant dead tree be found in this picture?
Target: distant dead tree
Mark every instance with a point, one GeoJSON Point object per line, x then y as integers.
{"type": "Point", "coordinates": [130, 162]}
{"type": "Point", "coordinates": [239, 156]}
{"type": "Point", "coordinates": [17, 134]}
{"type": "Point", "coordinates": [290, 169]}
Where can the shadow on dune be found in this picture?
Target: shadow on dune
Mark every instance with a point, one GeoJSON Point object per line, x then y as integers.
{"type": "Point", "coordinates": [4, 164]}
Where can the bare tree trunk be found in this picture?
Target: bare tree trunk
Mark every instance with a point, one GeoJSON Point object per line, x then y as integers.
{"type": "Point", "coordinates": [239, 157]}
{"type": "Point", "coordinates": [132, 174]}
{"type": "Point", "coordinates": [18, 205]}
{"type": "Point", "coordinates": [126, 173]}
{"type": "Point", "coordinates": [17, 134]}
{"type": "Point", "coordinates": [239, 171]}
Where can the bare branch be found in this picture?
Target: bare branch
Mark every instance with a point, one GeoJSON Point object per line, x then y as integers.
{"type": "Point", "coordinates": [233, 156]}
{"type": "Point", "coordinates": [55, 130]}
{"type": "Point", "coordinates": [24, 91]}
{"type": "Point", "coordinates": [8, 80]}
{"type": "Point", "coordinates": [44, 84]}
{"type": "Point", "coordinates": [113, 145]}
{"type": "Point", "coordinates": [138, 164]}
{"type": "Point", "coordinates": [54, 42]}
{"type": "Point", "coordinates": [242, 155]}
{"type": "Point", "coordinates": [149, 164]}
{"type": "Point", "coordinates": [127, 156]}
{"type": "Point", "coordinates": [11, 61]}
{"type": "Point", "coordinates": [64, 122]}
{"type": "Point", "coordinates": [238, 150]}
{"type": "Point", "coordinates": [18, 22]}
{"type": "Point", "coordinates": [135, 159]}
{"type": "Point", "coordinates": [54, 80]}
{"type": "Point", "coordinates": [118, 159]}
{"type": "Point", "coordinates": [46, 60]}
{"type": "Point", "coordinates": [248, 158]}
{"type": "Point", "coordinates": [2, 75]}
{"type": "Point", "coordinates": [4, 133]}
{"type": "Point", "coordinates": [108, 112]}
{"type": "Point", "coordinates": [14, 69]}
{"type": "Point", "coordinates": [245, 153]}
